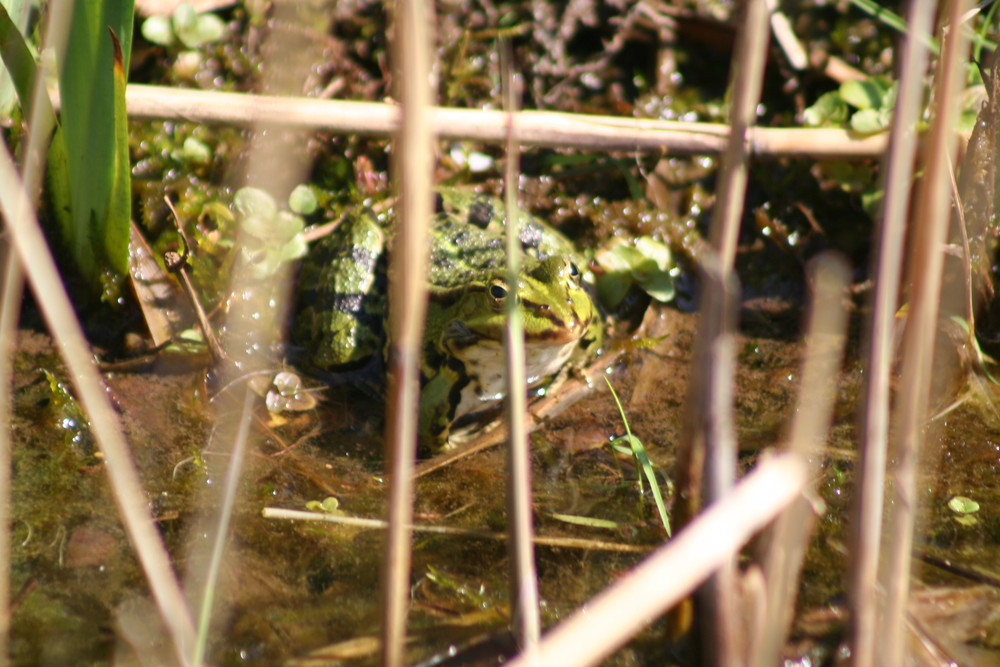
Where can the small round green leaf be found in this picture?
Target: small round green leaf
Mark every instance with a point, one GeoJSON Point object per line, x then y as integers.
{"type": "Point", "coordinates": [660, 286]}
{"type": "Point", "coordinates": [828, 110]}
{"type": "Point", "coordinates": [868, 121]}
{"type": "Point", "coordinates": [254, 201]}
{"type": "Point", "coordinates": [258, 226]}
{"type": "Point", "coordinates": [184, 17]}
{"type": "Point", "coordinates": [612, 287]}
{"type": "Point", "coordinates": [963, 505]}
{"type": "Point", "coordinates": [302, 200]}
{"type": "Point", "coordinates": [862, 94]}
{"type": "Point", "coordinates": [286, 226]}
{"type": "Point", "coordinates": [196, 151]}
{"type": "Point", "coordinates": [157, 30]}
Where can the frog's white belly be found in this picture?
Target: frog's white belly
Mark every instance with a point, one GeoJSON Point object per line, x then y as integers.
{"type": "Point", "coordinates": [484, 364]}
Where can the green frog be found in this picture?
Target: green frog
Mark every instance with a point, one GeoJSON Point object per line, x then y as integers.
{"type": "Point", "coordinates": [342, 305]}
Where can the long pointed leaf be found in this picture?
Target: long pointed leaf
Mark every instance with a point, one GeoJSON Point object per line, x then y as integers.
{"type": "Point", "coordinates": [20, 64]}
{"type": "Point", "coordinates": [116, 228]}
{"type": "Point", "coordinates": [92, 82]}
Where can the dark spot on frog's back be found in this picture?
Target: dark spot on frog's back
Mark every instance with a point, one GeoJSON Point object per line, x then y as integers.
{"type": "Point", "coordinates": [481, 213]}
{"type": "Point", "coordinates": [530, 236]}
{"type": "Point", "coordinates": [346, 303]}
{"type": "Point", "coordinates": [364, 257]}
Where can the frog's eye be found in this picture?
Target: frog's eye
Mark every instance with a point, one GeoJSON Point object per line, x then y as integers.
{"type": "Point", "coordinates": [498, 292]}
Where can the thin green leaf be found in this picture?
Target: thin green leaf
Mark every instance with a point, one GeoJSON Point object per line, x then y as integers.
{"type": "Point", "coordinates": [591, 522]}
{"type": "Point", "coordinates": [642, 459]}
{"type": "Point", "coordinates": [116, 227]}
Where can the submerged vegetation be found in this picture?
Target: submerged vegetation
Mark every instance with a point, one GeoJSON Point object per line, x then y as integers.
{"type": "Point", "coordinates": [247, 515]}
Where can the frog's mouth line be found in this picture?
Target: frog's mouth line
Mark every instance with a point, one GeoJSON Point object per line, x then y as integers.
{"type": "Point", "coordinates": [561, 331]}
{"type": "Point", "coordinates": [548, 338]}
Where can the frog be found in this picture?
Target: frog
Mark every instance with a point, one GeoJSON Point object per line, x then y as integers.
{"type": "Point", "coordinates": [342, 306]}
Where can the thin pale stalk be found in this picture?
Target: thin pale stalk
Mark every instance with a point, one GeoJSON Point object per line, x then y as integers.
{"type": "Point", "coordinates": [523, 577]}
{"type": "Point", "coordinates": [866, 526]}
{"type": "Point", "coordinates": [361, 522]}
{"type": "Point", "coordinates": [825, 335]}
{"type": "Point", "coordinates": [407, 309]}
{"type": "Point", "coordinates": [128, 493]}
{"type": "Point", "coordinates": [534, 128]}
{"type": "Point", "coordinates": [230, 486]}
{"type": "Point", "coordinates": [274, 166]}
{"type": "Point", "coordinates": [925, 273]}
{"type": "Point", "coordinates": [674, 570]}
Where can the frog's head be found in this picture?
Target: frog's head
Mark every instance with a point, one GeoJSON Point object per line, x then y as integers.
{"type": "Point", "coordinates": [558, 315]}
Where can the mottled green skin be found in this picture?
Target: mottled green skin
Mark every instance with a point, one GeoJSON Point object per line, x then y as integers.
{"type": "Point", "coordinates": [342, 297]}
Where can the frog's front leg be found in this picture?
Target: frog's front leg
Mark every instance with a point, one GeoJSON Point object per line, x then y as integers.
{"type": "Point", "coordinates": [456, 337]}
{"type": "Point", "coordinates": [439, 398]}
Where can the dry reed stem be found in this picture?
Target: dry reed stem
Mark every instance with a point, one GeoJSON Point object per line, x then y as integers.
{"type": "Point", "coordinates": [407, 301]}
{"type": "Point", "coordinates": [825, 335]}
{"type": "Point", "coordinates": [720, 612]}
{"type": "Point", "coordinates": [540, 540]}
{"type": "Point", "coordinates": [925, 273]}
{"type": "Point", "coordinates": [534, 128]}
{"type": "Point", "coordinates": [866, 524]}
{"type": "Point", "coordinates": [786, 38]}
{"type": "Point", "coordinates": [711, 437]}
{"type": "Point", "coordinates": [132, 502]}
{"type": "Point", "coordinates": [523, 583]}
{"type": "Point", "coordinates": [674, 570]}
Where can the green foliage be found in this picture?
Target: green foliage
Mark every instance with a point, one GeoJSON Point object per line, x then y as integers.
{"type": "Point", "coordinates": [303, 200]}
{"type": "Point", "coordinates": [67, 415]}
{"type": "Point", "coordinates": [186, 26]}
{"type": "Point", "coordinates": [964, 509]}
{"type": "Point", "coordinates": [19, 13]}
{"type": "Point", "coordinates": [274, 237]}
{"type": "Point", "coordinates": [328, 505]}
{"type": "Point", "coordinates": [96, 182]}
{"type": "Point", "coordinates": [17, 58]}
{"type": "Point", "coordinates": [643, 261]}
{"type": "Point", "coordinates": [89, 172]}
{"type": "Point", "coordinates": [865, 106]}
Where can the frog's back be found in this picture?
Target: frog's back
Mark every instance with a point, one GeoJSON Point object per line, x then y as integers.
{"type": "Point", "coordinates": [342, 287]}
{"type": "Point", "coordinates": [468, 240]}
{"type": "Point", "coordinates": [341, 296]}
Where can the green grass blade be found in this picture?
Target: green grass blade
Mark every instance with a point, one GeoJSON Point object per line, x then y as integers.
{"type": "Point", "coordinates": [17, 58]}
{"type": "Point", "coordinates": [642, 459]}
{"type": "Point", "coordinates": [116, 231]}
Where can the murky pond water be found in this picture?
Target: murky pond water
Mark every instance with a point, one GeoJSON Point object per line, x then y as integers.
{"type": "Point", "coordinates": [293, 587]}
